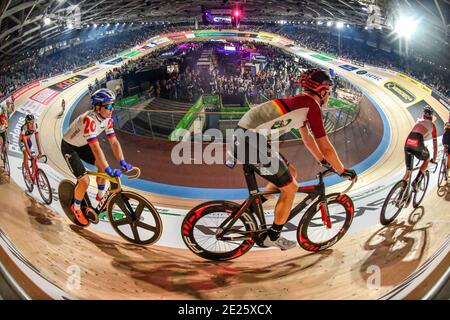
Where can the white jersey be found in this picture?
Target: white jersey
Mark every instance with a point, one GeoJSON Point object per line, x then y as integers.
{"type": "Point", "coordinates": [86, 128]}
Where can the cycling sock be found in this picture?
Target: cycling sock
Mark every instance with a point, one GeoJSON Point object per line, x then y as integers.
{"type": "Point", "coordinates": [77, 204]}
{"type": "Point", "coordinates": [101, 190]}
{"type": "Point", "coordinates": [274, 231]}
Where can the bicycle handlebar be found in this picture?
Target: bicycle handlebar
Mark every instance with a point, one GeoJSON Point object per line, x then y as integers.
{"type": "Point", "coordinates": [331, 170]}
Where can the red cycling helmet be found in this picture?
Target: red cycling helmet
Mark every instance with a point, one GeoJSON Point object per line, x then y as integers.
{"type": "Point", "coordinates": [315, 80]}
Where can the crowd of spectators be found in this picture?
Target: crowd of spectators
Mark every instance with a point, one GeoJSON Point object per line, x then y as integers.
{"type": "Point", "coordinates": [436, 75]}
{"type": "Point", "coordinates": [14, 76]}
{"type": "Point", "coordinates": [277, 78]}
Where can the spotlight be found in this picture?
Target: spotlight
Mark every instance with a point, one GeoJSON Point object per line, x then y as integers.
{"type": "Point", "coordinates": [406, 26]}
{"type": "Point", "coordinates": [47, 21]}
{"type": "Point", "coordinates": [95, 25]}
{"type": "Point", "coordinates": [339, 24]}
{"type": "Point", "coordinates": [70, 26]}
{"type": "Point", "coordinates": [329, 23]}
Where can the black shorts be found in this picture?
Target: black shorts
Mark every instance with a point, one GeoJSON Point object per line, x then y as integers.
{"type": "Point", "coordinates": [414, 147]}
{"type": "Point", "coordinates": [73, 156]}
{"type": "Point", "coordinates": [253, 149]}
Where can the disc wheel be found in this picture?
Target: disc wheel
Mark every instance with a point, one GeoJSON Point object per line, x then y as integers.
{"type": "Point", "coordinates": [65, 195]}
{"type": "Point", "coordinates": [134, 218]}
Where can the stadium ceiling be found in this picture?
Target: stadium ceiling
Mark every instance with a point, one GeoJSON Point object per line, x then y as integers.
{"type": "Point", "coordinates": [23, 27]}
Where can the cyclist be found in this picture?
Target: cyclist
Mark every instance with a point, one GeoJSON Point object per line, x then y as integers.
{"type": "Point", "coordinates": [446, 142]}
{"type": "Point", "coordinates": [26, 132]}
{"type": "Point", "coordinates": [300, 111]}
{"type": "Point", "coordinates": [414, 145]}
{"type": "Point", "coordinates": [3, 129]}
{"type": "Point", "coordinates": [63, 108]}
{"type": "Point", "coordinates": [80, 142]}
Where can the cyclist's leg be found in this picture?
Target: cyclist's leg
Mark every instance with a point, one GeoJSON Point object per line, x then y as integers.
{"type": "Point", "coordinates": [70, 154]}
{"type": "Point", "coordinates": [100, 185]}
{"type": "Point", "coordinates": [409, 162]}
{"type": "Point", "coordinates": [277, 172]}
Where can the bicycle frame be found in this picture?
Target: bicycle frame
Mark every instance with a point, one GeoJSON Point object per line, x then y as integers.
{"type": "Point", "coordinates": [254, 203]}
{"type": "Point", "coordinates": [34, 167]}
{"type": "Point", "coordinates": [115, 187]}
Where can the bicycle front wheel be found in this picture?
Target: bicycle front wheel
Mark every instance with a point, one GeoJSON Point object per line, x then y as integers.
{"type": "Point", "coordinates": [27, 179]}
{"type": "Point", "coordinates": [442, 177]}
{"type": "Point", "coordinates": [201, 224]}
{"type": "Point", "coordinates": [421, 189]}
{"type": "Point", "coordinates": [44, 188]}
{"type": "Point", "coordinates": [6, 164]}
{"type": "Point", "coordinates": [393, 203]}
{"type": "Point", "coordinates": [315, 234]}
{"type": "Point", "coordinates": [134, 218]}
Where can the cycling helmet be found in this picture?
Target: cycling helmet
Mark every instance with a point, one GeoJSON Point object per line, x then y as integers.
{"type": "Point", "coordinates": [315, 80]}
{"type": "Point", "coordinates": [103, 97]}
{"type": "Point", "coordinates": [29, 118]}
{"type": "Point", "coordinates": [428, 112]}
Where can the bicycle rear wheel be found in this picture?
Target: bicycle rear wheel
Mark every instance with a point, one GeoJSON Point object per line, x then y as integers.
{"type": "Point", "coordinates": [134, 218]}
{"type": "Point", "coordinates": [44, 188]}
{"type": "Point", "coordinates": [201, 224]}
{"type": "Point", "coordinates": [421, 189]}
{"type": "Point", "coordinates": [313, 234]}
{"type": "Point", "coordinates": [27, 179]}
{"type": "Point", "coordinates": [393, 203]}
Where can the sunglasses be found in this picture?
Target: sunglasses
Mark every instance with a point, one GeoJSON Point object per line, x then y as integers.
{"type": "Point", "coordinates": [108, 106]}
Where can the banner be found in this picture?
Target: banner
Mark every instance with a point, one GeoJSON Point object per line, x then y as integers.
{"type": "Point", "coordinates": [404, 95]}
{"type": "Point", "coordinates": [66, 84]}
{"type": "Point", "coordinates": [320, 57]}
{"type": "Point", "coordinates": [83, 67]}
{"type": "Point", "coordinates": [348, 67]}
{"type": "Point", "coordinates": [27, 88]}
{"type": "Point", "coordinates": [45, 96]}
{"type": "Point", "coordinates": [415, 82]}
{"type": "Point", "coordinates": [371, 76]}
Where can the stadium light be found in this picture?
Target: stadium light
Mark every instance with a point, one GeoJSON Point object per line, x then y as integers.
{"type": "Point", "coordinates": [47, 21]}
{"type": "Point", "coordinates": [95, 25]}
{"type": "Point", "coordinates": [406, 26]}
{"type": "Point", "coordinates": [236, 13]}
{"type": "Point", "coordinates": [339, 24]}
{"type": "Point", "coordinates": [319, 23]}
{"type": "Point", "coordinates": [70, 26]}
{"type": "Point", "coordinates": [329, 23]}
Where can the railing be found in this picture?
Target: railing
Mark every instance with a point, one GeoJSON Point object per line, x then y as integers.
{"type": "Point", "coordinates": [161, 123]}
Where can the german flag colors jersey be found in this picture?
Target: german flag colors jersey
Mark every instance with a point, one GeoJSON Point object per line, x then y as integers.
{"type": "Point", "coordinates": [283, 115]}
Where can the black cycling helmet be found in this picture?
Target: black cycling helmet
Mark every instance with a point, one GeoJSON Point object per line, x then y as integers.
{"type": "Point", "coordinates": [428, 112]}
{"type": "Point", "coordinates": [29, 118]}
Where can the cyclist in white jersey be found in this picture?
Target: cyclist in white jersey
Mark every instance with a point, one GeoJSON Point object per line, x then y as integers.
{"type": "Point", "coordinates": [414, 145]}
{"type": "Point", "coordinates": [281, 115]}
{"type": "Point", "coordinates": [80, 142]}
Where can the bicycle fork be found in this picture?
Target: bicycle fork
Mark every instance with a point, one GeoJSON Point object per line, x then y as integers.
{"type": "Point", "coordinates": [323, 205]}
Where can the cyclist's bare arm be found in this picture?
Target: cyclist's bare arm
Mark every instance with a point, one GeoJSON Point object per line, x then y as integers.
{"type": "Point", "coordinates": [27, 148]}
{"type": "Point", "coordinates": [116, 148]}
{"type": "Point", "coordinates": [310, 143]}
{"type": "Point", "coordinates": [330, 153]}
{"type": "Point", "coordinates": [100, 158]}
{"type": "Point", "coordinates": [38, 142]}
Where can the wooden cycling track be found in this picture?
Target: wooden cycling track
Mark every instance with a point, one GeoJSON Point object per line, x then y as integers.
{"type": "Point", "coordinates": [113, 269]}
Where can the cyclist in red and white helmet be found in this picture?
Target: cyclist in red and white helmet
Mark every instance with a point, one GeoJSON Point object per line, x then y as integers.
{"type": "Point", "coordinates": [280, 116]}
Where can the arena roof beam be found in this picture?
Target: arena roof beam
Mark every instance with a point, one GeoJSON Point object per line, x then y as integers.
{"type": "Point", "coordinates": [440, 12]}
